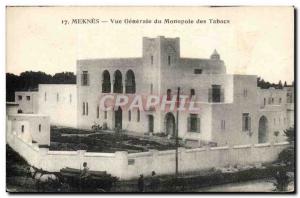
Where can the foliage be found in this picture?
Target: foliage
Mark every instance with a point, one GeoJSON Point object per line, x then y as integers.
{"type": "Point", "coordinates": [29, 80]}
{"type": "Point", "coordinates": [266, 85]}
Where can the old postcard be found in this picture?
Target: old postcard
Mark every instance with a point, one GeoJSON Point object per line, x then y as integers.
{"type": "Point", "coordinates": [150, 99]}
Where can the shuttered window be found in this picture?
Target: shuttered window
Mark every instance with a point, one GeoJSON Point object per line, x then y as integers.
{"type": "Point", "coordinates": [84, 78]}
{"type": "Point", "coordinates": [193, 123]}
{"type": "Point", "coordinates": [246, 122]}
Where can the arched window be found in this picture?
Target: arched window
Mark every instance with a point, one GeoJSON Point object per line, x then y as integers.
{"type": "Point", "coordinates": [106, 86]}
{"type": "Point", "coordinates": [130, 82]}
{"type": "Point", "coordinates": [118, 86]}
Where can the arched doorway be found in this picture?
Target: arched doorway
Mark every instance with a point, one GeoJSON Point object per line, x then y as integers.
{"type": "Point", "coordinates": [170, 124]}
{"type": "Point", "coordinates": [151, 123]}
{"type": "Point", "coordinates": [118, 118]}
{"type": "Point", "coordinates": [106, 86]}
{"type": "Point", "coordinates": [118, 86]}
{"type": "Point", "coordinates": [263, 130]}
{"type": "Point", "coordinates": [130, 82]}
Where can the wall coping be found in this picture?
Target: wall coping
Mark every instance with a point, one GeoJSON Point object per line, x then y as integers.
{"type": "Point", "coordinates": [281, 143]}
{"type": "Point", "coordinates": [62, 153]}
{"type": "Point", "coordinates": [262, 145]}
{"type": "Point", "coordinates": [219, 148]}
{"type": "Point", "coordinates": [242, 146]}
{"type": "Point", "coordinates": [94, 154]}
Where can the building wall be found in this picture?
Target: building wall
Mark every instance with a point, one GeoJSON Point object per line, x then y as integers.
{"type": "Point", "coordinates": [59, 101]}
{"type": "Point", "coordinates": [161, 68]}
{"type": "Point", "coordinates": [129, 166]}
{"type": "Point", "coordinates": [27, 100]}
{"type": "Point", "coordinates": [35, 127]}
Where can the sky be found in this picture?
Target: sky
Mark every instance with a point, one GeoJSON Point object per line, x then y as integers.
{"type": "Point", "coordinates": [257, 41]}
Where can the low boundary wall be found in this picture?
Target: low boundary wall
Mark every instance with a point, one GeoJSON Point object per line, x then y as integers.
{"type": "Point", "coordinates": [129, 166]}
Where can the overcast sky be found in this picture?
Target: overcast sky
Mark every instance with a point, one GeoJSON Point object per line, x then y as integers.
{"type": "Point", "coordinates": [256, 41]}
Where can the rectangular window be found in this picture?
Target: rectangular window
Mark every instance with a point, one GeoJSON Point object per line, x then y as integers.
{"type": "Point", "coordinates": [40, 127]}
{"type": "Point", "coordinates": [151, 60]}
{"type": "Point", "coordinates": [105, 115]}
{"type": "Point", "coordinates": [84, 78]}
{"type": "Point", "coordinates": [151, 88]}
{"type": "Point", "coordinates": [19, 97]}
{"type": "Point", "coordinates": [193, 123]}
{"type": "Point", "coordinates": [216, 94]}
{"type": "Point", "coordinates": [27, 97]}
{"type": "Point", "coordinates": [22, 128]}
{"type": "Point", "coordinates": [245, 93]}
{"type": "Point", "coordinates": [246, 125]}
{"type": "Point", "coordinates": [280, 100]}
{"type": "Point", "coordinates": [97, 111]}
{"type": "Point", "coordinates": [138, 115]}
{"type": "Point", "coordinates": [83, 108]}
{"type": "Point", "coordinates": [223, 124]}
{"type": "Point", "coordinates": [169, 60]}
{"type": "Point", "coordinates": [265, 101]}
{"type": "Point", "coordinates": [197, 71]}
{"type": "Point", "coordinates": [45, 96]}
{"type": "Point", "coordinates": [129, 115]}
{"type": "Point", "coordinates": [87, 108]}
{"type": "Point", "coordinates": [272, 100]}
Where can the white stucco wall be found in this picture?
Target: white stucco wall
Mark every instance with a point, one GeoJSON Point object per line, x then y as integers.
{"type": "Point", "coordinates": [59, 101]}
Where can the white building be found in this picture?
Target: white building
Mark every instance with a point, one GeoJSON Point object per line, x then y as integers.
{"type": "Point", "coordinates": [233, 110]}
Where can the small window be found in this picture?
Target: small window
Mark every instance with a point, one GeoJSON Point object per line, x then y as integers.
{"type": "Point", "coordinates": [45, 96]}
{"type": "Point", "coordinates": [19, 97]}
{"type": "Point", "coordinates": [197, 71]}
{"type": "Point", "coordinates": [131, 161]}
{"type": "Point", "coordinates": [151, 88]}
{"type": "Point", "coordinates": [246, 125]}
{"type": "Point", "coordinates": [269, 100]}
{"type": "Point", "coordinates": [169, 60]}
{"type": "Point", "coordinates": [151, 60]}
{"type": "Point", "coordinates": [84, 78]}
{"type": "Point", "coordinates": [83, 108]}
{"type": "Point", "coordinates": [138, 115]}
{"type": "Point", "coordinates": [105, 115]}
{"type": "Point", "coordinates": [57, 97]}
{"type": "Point", "coordinates": [27, 97]}
{"type": "Point", "coordinates": [280, 100]}
{"type": "Point", "coordinates": [274, 121]}
{"type": "Point", "coordinates": [40, 127]}
{"type": "Point", "coordinates": [22, 128]}
{"type": "Point", "coordinates": [87, 108]}
{"type": "Point", "coordinates": [265, 101]}
{"type": "Point", "coordinates": [272, 100]}
{"type": "Point", "coordinates": [245, 93]}
{"type": "Point", "coordinates": [129, 115]}
{"type": "Point", "coordinates": [194, 123]}
{"type": "Point", "coordinates": [169, 94]}
{"type": "Point", "coordinates": [97, 111]}
{"type": "Point", "coordinates": [223, 124]}
{"type": "Point", "coordinates": [192, 92]}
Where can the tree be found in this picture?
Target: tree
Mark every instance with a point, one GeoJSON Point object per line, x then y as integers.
{"type": "Point", "coordinates": [287, 157]}
{"type": "Point", "coordinates": [280, 85]}
{"type": "Point", "coordinates": [29, 81]}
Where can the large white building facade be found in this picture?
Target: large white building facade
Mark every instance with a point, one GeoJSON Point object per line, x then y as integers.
{"type": "Point", "coordinates": [232, 109]}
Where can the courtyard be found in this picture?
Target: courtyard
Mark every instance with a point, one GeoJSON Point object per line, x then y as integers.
{"type": "Point", "coordinates": [71, 139]}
